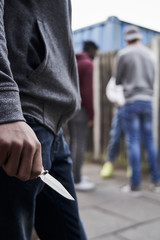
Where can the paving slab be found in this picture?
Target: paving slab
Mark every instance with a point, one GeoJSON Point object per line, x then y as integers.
{"type": "Point", "coordinates": [109, 214]}
{"type": "Point", "coordinates": [98, 223]}
{"type": "Point", "coordinates": [134, 208]}
{"type": "Point", "coordinates": [148, 231]}
{"type": "Point", "coordinates": [116, 237]}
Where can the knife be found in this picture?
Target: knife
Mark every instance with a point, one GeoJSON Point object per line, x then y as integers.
{"type": "Point", "coordinates": [54, 184]}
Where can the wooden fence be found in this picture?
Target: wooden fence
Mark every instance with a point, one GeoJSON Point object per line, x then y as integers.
{"type": "Point", "coordinates": [99, 136]}
{"type": "Point", "coordinates": [102, 107]}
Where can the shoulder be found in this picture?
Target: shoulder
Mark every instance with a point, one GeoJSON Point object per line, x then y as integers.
{"type": "Point", "coordinates": [85, 63]}
{"type": "Point", "coordinates": [124, 51]}
{"type": "Point", "coordinates": [149, 52]}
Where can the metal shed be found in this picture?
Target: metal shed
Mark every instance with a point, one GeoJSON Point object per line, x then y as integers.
{"type": "Point", "coordinates": [108, 35]}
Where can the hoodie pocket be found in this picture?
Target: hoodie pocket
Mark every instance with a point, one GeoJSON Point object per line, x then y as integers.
{"type": "Point", "coordinates": [40, 68]}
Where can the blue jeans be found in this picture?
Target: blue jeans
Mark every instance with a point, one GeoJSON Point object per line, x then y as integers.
{"type": "Point", "coordinates": [116, 134]}
{"type": "Point", "coordinates": [137, 123]}
{"type": "Point", "coordinates": [25, 204]}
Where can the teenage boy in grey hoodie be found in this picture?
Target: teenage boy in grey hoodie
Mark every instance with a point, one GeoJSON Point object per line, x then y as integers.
{"type": "Point", "coordinates": [39, 92]}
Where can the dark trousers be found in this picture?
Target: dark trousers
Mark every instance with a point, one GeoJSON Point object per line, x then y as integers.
{"type": "Point", "coordinates": [25, 204]}
{"type": "Point", "coordinates": [78, 132]}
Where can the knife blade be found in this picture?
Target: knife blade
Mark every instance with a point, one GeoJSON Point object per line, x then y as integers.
{"type": "Point", "coordinates": [55, 184]}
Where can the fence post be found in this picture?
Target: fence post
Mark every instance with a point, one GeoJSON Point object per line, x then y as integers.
{"type": "Point", "coordinates": [97, 109]}
{"type": "Point", "coordinates": [156, 99]}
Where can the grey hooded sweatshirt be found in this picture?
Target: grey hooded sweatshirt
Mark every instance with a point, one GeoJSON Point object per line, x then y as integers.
{"type": "Point", "coordinates": [38, 74]}
{"type": "Point", "coordinates": [135, 70]}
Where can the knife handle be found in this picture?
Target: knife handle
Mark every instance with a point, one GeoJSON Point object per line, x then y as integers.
{"type": "Point", "coordinates": [44, 172]}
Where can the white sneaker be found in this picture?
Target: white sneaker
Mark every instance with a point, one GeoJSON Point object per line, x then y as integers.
{"type": "Point", "coordinates": [128, 189]}
{"type": "Point", "coordinates": [84, 185]}
{"type": "Point", "coordinates": [155, 188]}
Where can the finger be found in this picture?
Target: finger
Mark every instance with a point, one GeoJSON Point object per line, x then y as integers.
{"type": "Point", "coordinates": [37, 164]}
{"type": "Point", "coordinates": [12, 163]}
{"type": "Point", "coordinates": [31, 163]}
{"type": "Point", "coordinates": [25, 163]}
{"type": "Point", "coordinates": [4, 152]}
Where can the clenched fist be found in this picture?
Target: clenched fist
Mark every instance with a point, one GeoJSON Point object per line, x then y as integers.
{"type": "Point", "coordinates": [20, 151]}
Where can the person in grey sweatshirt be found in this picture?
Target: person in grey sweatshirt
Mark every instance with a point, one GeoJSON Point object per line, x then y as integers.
{"type": "Point", "coordinates": [135, 70]}
{"type": "Point", "coordinates": [39, 92]}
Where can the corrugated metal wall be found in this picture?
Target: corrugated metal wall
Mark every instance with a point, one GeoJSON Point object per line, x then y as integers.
{"type": "Point", "coordinates": [108, 35]}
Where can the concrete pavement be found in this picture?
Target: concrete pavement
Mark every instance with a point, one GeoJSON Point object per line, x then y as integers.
{"type": "Point", "coordinates": [108, 214]}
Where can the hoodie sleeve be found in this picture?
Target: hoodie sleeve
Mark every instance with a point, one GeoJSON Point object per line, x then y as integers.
{"type": "Point", "coordinates": [10, 106]}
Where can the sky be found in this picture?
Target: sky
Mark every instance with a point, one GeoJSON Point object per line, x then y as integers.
{"type": "Point", "coordinates": [145, 13]}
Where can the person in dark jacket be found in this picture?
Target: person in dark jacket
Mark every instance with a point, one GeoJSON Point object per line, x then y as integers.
{"type": "Point", "coordinates": [39, 92]}
{"type": "Point", "coordinates": [79, 125]}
